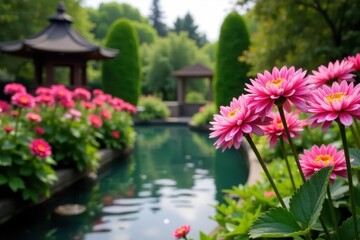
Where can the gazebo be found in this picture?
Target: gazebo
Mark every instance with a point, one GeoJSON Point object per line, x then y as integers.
{"type": "Point", "coordinates": [196, 71]}
{"type": "Point", "coordinates": [58, 45]}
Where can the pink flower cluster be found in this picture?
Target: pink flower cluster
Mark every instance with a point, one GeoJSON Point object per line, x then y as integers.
{"type": "Point", "coordinates": [327, 95]}
{"type": "Point", "coordinates": [181, 232]}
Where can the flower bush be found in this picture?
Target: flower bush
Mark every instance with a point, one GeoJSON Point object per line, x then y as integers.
{"type": "Point", "coordinates": [152, 108]}
{"type": "Point", "coordinates": [54, 128]}
{"type": "Point", "coordinates": [325, 204]}
{"type": "Point", "coordinates": [205, 115]}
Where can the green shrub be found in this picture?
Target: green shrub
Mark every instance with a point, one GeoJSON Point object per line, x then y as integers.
{"type": "Point", "coordinates": [205, 115]}
{"type": "Point", "coordinates": [122, 76]}
{"type": "Point", "coordinates": [151, 108]}
{"type": "Point", "coordinates": [195, 97]}
{"type": "Point", "coordinates": [231, 69]}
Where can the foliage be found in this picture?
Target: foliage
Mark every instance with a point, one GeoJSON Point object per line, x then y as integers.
{"type": "Point", "coordinates": [231, 70]}
{"type": "Point", "coordinates": [165, 56]}
{"type": "Point", "coordinates": [122, 75]}
{"type": "Point", "coordinates": [335, 34]}
{"type": "Point", "coordinates": [57, 131]}
{"type": "Point", "coordinates": [107, 13]}
{"type": "Point", "coordinates": [205, 115]}
{"type": "Point", "coordinates": [152, 108]}
{"type": "Point", "coordinates": [186, 24]}
{"type": "Point", "coordinates": [194, 97]}
{"type": "Point", "coordinates": [210, 50]}
{"type": "Point", "coordinates": [156, 19]}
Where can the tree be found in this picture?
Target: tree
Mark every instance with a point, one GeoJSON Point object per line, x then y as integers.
{"type": "Point", "coordinates": [122, 75]}
{"type": "Point", "coordinates": [315, 31]}
{"type": "Point", "coordinates": [187, 24]}
{"type": "Point", "coordinates": [231, 71]}
{"type": "Point", "coordinates": [156, 19]}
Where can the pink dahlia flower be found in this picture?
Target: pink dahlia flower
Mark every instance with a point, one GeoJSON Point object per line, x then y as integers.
{"type": "Point", "coordinates": [355, 60]}
{"type": "Point", "coordinates": [43, 90]}
{"type": "Point", "coordinates": [105, 114]}
{"type": "Point", "coordinates": [276, 129]}
{"type": "Point", "coordinates": [39, 130]}
{"type": "Point", "coordinates": [115, 134]}
{"type": "Point", "coordinates": [60, 92]}
{"type": "Point", "coordinates": [325, 156]}
{"type": "Point", "coordinates": [12, 88]}
{"type": "Point", "coordinates": [40, 148]}
{"type": "Point", "coordinates": [95, 120]}
{"type": "Point", "coordinates": [278, 87]}
{"type": "Point", "coordinates": [234, 121]}
{"type": "Point", "coordinates": [87, 105]}
{"type": "Point", "coordinates": [97, 92]}
{"type": "Point", "coordinates": [181, 231]}
{"type": "Point", "coordinates": [338, 71]}
{"type": "Point", "coordinates": [23, 100]}
{"type": "Point", "coordinates": [46, 99]}
{"type": "Point", "coordinates": [33, 117]}
{"type": "Point", "coordinates": [4, 106]}
{"type": "Point", "coordinates": [338, 102]}
{"type": "Point", "coordinates": [82, 93]}
{"type": "Point", "coordinates": [8, 128]}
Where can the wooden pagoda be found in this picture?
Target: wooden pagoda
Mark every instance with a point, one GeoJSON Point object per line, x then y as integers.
{"type": "Point", "coordinates": [58, 45]}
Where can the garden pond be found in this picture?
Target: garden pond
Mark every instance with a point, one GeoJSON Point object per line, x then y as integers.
{"type": "Point", "coordinates": [173, 177]}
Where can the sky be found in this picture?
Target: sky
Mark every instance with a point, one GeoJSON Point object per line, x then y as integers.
{"type": "Point", "coordinates": [207, 14]}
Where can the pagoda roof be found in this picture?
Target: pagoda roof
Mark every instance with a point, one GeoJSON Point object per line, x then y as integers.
{"type": "Point", "coordinates": [193, 71]}
{"type": "Point", "coordinates": [58, 38]}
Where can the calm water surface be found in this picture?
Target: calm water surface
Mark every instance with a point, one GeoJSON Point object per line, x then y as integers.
{"type": "Point", "coordinates": [173, 177]}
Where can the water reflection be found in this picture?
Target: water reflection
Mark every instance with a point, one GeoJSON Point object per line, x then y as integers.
{"type": "Point", "coordinates": [173, 177]}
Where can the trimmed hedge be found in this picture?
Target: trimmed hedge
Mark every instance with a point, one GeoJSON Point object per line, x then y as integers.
{"type": "Point", "coordinates": [122, 76]}
{"type": "Point", "coordinates": [231, 70]}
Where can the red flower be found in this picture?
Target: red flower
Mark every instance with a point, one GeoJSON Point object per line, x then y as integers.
{"type": "Point", "coordinates": [4, 106]}
{"type": "Point", "coordinates": [23, 100]}
{"type": "Point", "coordinates": [33, 117]}
{"type": "Point", "coordinates": [95, 120]}
{"type": "Point", "coordinates": [8, 128]}
{"type": "Point", "coordinates": [67, 103]}
{"type": "Point", "coordinates": [12, 88]}
{"type": "Point", "coordinates": [40, 148]}
{"type": "Point", "coordinates": [181, 231]}
{"type": "Point", "coordinates": [105, 114]}
{"type": "Point", "coordinates": [115, 134]}
{"type": "Point", "coordinates": [82, 93]}
{"type": "Point", "coordinates": [60, 92]}
{"type": "Point", "coordinates": [39, 130]}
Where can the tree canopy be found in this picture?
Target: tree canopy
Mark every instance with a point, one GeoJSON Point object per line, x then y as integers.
{"type": "Point", "coordinates": [156, 19]}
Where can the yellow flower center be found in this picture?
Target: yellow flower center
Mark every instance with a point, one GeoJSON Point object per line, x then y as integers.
{"type": "Point", "coordinates": [24, 100]}
{"type": "Point", "coordinates": [326, 158]}
{"type": "Point", "coordinates": [280, 125]}
{"type": "Point", "coordinates": [277, 82]}
{"type": "Point", "coordinates": [41, 148]}
{"type": "Point", "coordinates": [233, 112]}
{"type": "Point", "coordinates": [338, 96]}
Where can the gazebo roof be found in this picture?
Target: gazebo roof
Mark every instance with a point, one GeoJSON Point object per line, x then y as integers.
{"type": "Point", "coordinates": [58, 38]}
{"type": "Point", "coordinates": [193, 71]}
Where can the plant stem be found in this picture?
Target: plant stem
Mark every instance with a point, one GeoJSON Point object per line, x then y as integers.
{"type": "Point", "coordinates": [287, 162]}
{"type": "Point", "coordinates": [296, 157]}
{"type": "Point", "coordinates": [325, 228]}
{"type": "Point", "coordinates": [348, 166]}
{"type": "Point", "coordinates": [262, 163]}
{"type": "Point", "coordinates": [17, 124]}
{"type": "Point", "coordinates": [332, 214]}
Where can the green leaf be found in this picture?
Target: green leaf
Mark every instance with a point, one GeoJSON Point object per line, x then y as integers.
{"type": "Point", "coordinates": [278, 222]}
{"type": "Point", "coordinates": [346, 230]}
{"type": "Point", "coordinates": [355, 154]}
{"type": "Point", "coordinates": [3, 179]}
{"type": "Point", "coordinates": [25, 171]}
{"type": "Point", "coordinates": [75, 132]}
{"type": "Point", "coordinates": [7, 145]}
{"type": "Point", "coordinates": [5, 160]}
{"type": "Point", "coordinates": [16, 183]}
{"type": "Point", "coordinates": [306, 203]}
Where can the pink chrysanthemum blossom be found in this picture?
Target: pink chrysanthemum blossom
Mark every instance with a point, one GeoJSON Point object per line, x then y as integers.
{"type": "Point", "coordinates": [73, 114]}
{"type": "Point", "coordinates": [23, 100]}
{"type": "Point", "coordinates": [181, 232]}
{"type": "Point", "coordinates": [355, 60]}
{"type": "Point", "coordinates": [105, 114]}
{"type": "Point", "coordinates": [12, 88]}
{"type": "Point", "coordinates": [43, 90]}
{"type": "Point", "coordinates": [67, 103]}
{"type": "Point", "coordinates": [115, 134]}
{"type": "Point", "coordinates": [97, 92]}
{"type": "Point", "coordinates": [334, 72]}
{"type": "Point", "coordinates": [278, 87]}
{"type": "Point", "coordinates": [82, 93]}
{"type": "Point", "coordinates": [60, 92]}
{"type": "Point", "coordinates": [39, 130]}
{"type": "Point", "coordinates": [4, 106]}
{"type": "Point", "coordinates": [98, 101]}
{"type": "Point", "coordinates": [325, 156]}
{"type": "Point", "coordinates": [33, 117]}
{"type": "Point", "coordinates": [234, 121]}
{"type": "Point", "coordinates": [40, 148]}
{"type": "Point", "coordinates": [95, 120]}
{"type": "Point", "coordinates": [338, 102]}
{"type": "Point", "coordinates": [87, 105]}
{"type": "Point", "coordinates": [45, 99]}
{"type": "Point", "coordinates": [8, 128]}
{"type": "Point", "coordinates": [276, 129]}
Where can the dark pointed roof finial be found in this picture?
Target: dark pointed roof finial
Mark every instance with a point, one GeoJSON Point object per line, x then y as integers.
{"type": "Point", "coordinates": [61, 15]}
